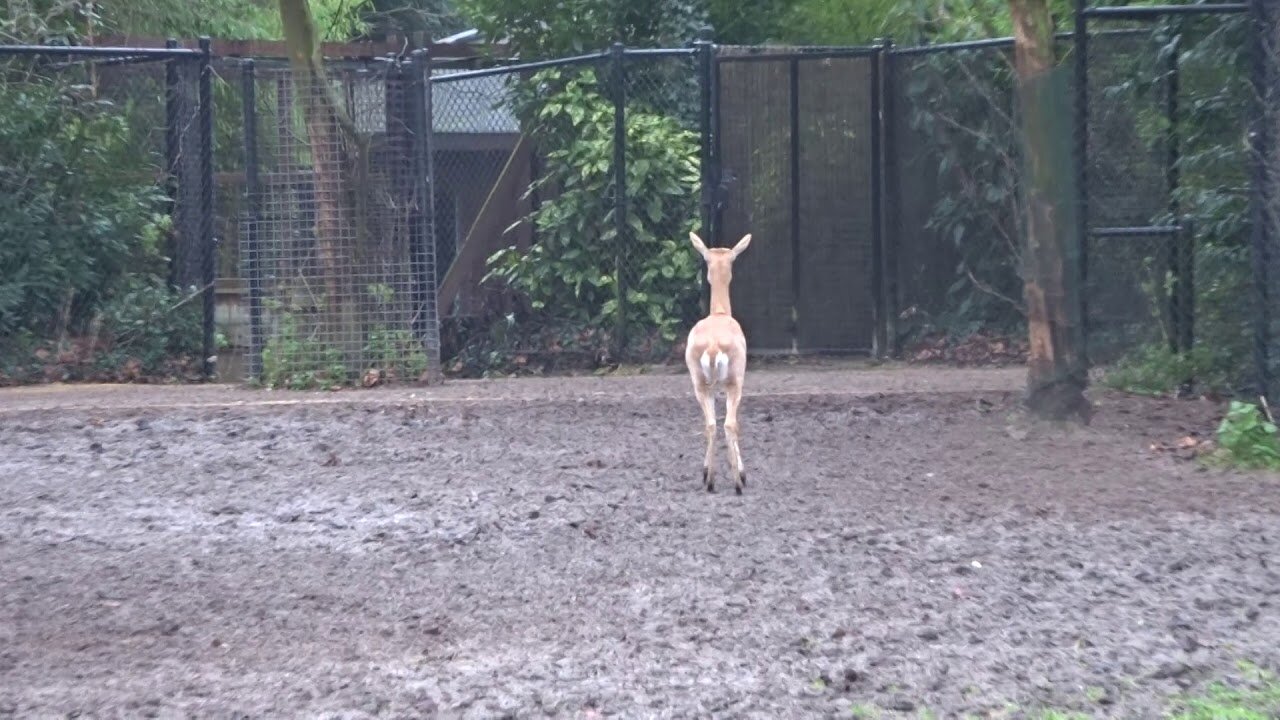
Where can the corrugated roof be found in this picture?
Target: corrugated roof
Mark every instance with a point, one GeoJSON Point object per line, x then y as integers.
{"type": "Point", "coordinates": [474, 105]}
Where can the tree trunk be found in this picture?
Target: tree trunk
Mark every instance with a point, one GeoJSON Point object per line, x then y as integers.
{"type": "Point", "coordinates": [335, 148]}
{"type": "Point", "coordinates": [1057, 373]}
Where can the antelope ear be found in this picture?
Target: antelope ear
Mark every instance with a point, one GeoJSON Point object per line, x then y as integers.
{"type": "Point", "coordinates": [742, 245]}
{"type": "Point", "coordinates": [698, 244]}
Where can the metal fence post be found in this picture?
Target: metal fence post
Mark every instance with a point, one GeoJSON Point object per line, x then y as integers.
{"type": "Point", "coordinates": [892, 210]}
{"type": "Point", "coordinates": [208, 250]}
{"type": "Point", "coordinates": [719, 196]}
{"type": "Point", "coordinates": [422, 243]}
{"type": "Point", "coordinates": [1259, 138]}
{"type": "Point", "coordinates": [705, 52]}
{"type": "Point", "coordinates": [173, 153]}
{"type": "Point", "coordinates": [879, 342]}
{"type": "Point", "coordinates": [710, 170]}
{"type": "Point", "coordinates": [618, 74]}
{"type": "Point", "coordinates": [1186, 287]}
{"type": "Point", "coordinates": [1181, 261]}
{"type": "Point", "coordinates": [1081, 49]}
{"type": "Point", "coordinates": [794, 125]}
{"type": "Point", "coordinates": [251, 258]}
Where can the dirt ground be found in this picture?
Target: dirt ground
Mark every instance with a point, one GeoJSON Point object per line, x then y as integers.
{"type": "Point", "coordinates": [543, 548]}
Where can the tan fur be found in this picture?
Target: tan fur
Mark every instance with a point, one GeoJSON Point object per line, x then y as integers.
{"type": "Point", "coordinates": [718, 333]}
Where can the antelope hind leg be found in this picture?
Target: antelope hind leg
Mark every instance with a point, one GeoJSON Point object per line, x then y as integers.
{"type": "Point", "coordinates": [733, 396]}
{"type": "Point", "coordinates": [707, 399]}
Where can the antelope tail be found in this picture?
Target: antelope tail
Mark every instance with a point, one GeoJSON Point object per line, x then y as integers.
{"type": "Point", "coordinates": [721, 363]}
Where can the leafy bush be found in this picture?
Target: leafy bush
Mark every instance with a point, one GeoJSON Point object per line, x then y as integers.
{"type": "Point", "coordinates": [1155, 369]}
{"type": "Point", "coordinates": [150, 323]}
{"type": "Point", "coordinates": [960, 109]}
{"type": "Point", "coordinates": [77, 210]}
{"type": "Point", "coordinates": [1248, 438]}
{"type": "Point", "coordinates": [573, 273]}
{"type": "Point", "coordinates": [295, 360]}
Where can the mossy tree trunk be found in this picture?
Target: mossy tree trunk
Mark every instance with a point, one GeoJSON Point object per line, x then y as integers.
{"type": "Point", "coordinates": [1058, 372]}
{"type": "Point", "coordinates": [338, 157]}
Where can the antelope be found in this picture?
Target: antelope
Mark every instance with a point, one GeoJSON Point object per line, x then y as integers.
{"type": "Point", "coordinates": [716, 355]}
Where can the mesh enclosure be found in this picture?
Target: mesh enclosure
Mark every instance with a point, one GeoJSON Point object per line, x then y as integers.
{"type": "Point", "coordinates": [336, 243]}
{"type": "Point", "coordinates": [103, 197]}
{"type": "Point", "coordinates": [796, 145]}
{"type": "Point", "coordinates": [566, 248]}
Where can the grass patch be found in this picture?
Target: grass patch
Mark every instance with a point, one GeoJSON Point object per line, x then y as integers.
{"type": "Point", "coordinates": [1255, 697]}
{"type": "Point", "coordinates": [1158, 371]}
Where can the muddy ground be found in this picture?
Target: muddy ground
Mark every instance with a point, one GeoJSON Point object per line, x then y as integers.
{"type": "Point", "coordinates": [543, 548]}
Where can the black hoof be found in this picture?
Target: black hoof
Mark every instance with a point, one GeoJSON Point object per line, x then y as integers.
{"type": "Point", "coordinates": [742, 478]}
{"type": "Point", "coordinates": [707, 481]}
{"type": "Point", "coordinates": [739, 489]}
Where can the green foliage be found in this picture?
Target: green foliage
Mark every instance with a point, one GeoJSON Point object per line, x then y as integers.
{"type": "Point", "coordinates": [150, 324]}
{"type": "Point", "coordinates": [572, 273]}
{"type": "Point", "coordinates": [1255, 697]}
{"type": "Point", "coordinates": [549, 28]}
{"type": "Point", "coordinates": [436, 18]}
{"type": "Point", "coordinates": [79, 210]}
{"type": "Point", "coordinates": [295, 360]}
{"type": "Point", "coordinates": [233, 19]}
{"type": "Point", "coordinates": [734, 26]}
{"type": "Point", "coordinates": [1248, 438]}
{"type": "Point", "coordinates": [393, 351]}
{"type": "Point", "coordinates": [1154, 369]}
{"type": "Point", "coordinates": [960, 109]}
{"type": "Point", "coordinates": [854, 22]}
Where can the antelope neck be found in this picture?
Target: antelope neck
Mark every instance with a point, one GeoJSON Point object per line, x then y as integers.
{"type": "Point", "coordinates": [720, 300]}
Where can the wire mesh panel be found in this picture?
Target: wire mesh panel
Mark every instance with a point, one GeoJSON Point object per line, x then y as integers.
{"type": "Point", "coordinates": [337, 247]}
{"type": "Point", "coordinates": [796, 146]}
{"type": "Point", "coordinates": [1131, 77]}
{"type": "Point", "coordinates": [755, 156]}
{"type": "Point", "coordinates": [834, 304]}
{"type": "Point", "coordinates": [1168, 189]}
{"type": "Point", "coordinates": [1263, 148]}
{"type": "Point", "coordinates": [102, 214]}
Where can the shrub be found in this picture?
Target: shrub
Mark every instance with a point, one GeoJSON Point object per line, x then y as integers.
{"type": "Point", "coordinates": [78, 210]}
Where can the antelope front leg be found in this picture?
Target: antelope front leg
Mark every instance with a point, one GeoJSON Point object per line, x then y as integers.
{"type": "Point", "coordinates": [707, 399]}
{"type": "Point", "coordinates": [733, 395]}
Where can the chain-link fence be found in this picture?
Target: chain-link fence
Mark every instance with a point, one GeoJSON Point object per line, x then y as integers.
{"type": "Point", "coordinates": [380, 216]}
{"type": "Point", "coordinates": [1262, 28]}
{"type": "Point", "coordinates": [1131, 253]}
{"type": "Point", "coordinates": [1164, 177]}
{"type": "Point", "coordinates": [106, 213]}
{"type": "Point", "coordinates": [335, 244]}
{"type": "Point", "coordinates": [1167, 191]}
{"type": "Point", "coordinates": [564, 194]}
